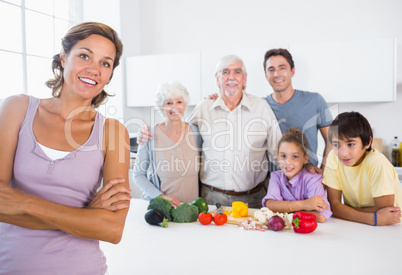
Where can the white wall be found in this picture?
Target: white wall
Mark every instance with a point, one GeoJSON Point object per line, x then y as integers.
{"type": "Point", "coordinates": [178, 26]}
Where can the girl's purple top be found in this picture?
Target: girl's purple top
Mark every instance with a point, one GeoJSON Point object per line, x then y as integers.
{"type": "Point", "coordinates": [73, 181]}
{"type": "Point", "coordinates": [302, 187]}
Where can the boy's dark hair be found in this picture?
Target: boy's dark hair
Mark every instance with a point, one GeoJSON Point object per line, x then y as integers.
{"type": "Point", "coordinates": [275, 52]}
{"type": "Point", "coordinates": [351, 125]}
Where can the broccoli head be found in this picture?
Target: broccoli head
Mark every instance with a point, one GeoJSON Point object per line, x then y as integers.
{"type": "Point", "coordinates": [163, 205]}
{"type": "Point", "coordinates": [185, 213]}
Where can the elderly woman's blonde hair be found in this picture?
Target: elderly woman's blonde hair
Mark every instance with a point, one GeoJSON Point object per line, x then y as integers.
{"type": "Point", "coordinates": [171, 90]}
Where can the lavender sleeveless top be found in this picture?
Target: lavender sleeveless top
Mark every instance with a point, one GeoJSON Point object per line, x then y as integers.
{"type": "Point", "coordinates": [73, 181]}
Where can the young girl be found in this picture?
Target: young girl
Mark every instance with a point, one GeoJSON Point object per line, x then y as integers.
{"type": "Point", "coordinates": [293, 188]}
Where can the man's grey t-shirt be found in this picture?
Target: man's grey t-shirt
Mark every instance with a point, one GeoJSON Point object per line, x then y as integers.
{"type": "Point", "coordinates": [306, 111]}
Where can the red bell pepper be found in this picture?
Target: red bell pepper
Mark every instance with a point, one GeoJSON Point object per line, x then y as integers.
{"type": "Point", "coordinates": [304, 222]}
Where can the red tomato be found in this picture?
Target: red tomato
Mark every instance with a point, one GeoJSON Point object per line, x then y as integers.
{"type": "Point", "coordinates": [220, 219]}
{"type": "Point", "coordinates": [205, 218]}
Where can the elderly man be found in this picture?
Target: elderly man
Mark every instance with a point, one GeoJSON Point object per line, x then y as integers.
{"type": "Point", "coordinates": [239, 133]}
{"type": "Point", "coordinates": [239, 136]}
{"type": "Point", "coordinates": [295, 108]}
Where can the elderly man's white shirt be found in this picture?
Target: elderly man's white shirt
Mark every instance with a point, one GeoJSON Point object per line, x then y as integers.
{"type": "Point", "coordinates": [235, 144]}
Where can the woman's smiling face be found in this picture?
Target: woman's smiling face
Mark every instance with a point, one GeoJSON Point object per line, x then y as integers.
{"type": "Point", "coordinates": [174, 108]}
{"type": "Point", "coordinates": [89, 66]}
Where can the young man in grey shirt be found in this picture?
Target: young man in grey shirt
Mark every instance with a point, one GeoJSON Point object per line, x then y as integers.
{"type": "Point", "coordinates": [295, 108]}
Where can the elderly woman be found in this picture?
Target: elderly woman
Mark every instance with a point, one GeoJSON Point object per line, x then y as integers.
{"type": "Point", "coordinates": [168, 165]}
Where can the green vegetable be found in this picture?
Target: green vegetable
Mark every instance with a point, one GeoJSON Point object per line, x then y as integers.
{"type": "Point", "coordinates": [156, 217]}
{"type": "Point", "coordinates": [201, 205]}
{"type": "Point", "coordinates": [163, 205]}
{"type": "Point", "coordinates": [185, 213]}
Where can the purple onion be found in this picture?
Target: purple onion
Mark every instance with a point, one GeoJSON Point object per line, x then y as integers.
{"type": "Point", "coordinates": [276, 223]}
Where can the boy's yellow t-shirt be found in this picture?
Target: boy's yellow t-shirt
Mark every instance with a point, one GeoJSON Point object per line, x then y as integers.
{"type": "Point", "coordinates": [373, 177]}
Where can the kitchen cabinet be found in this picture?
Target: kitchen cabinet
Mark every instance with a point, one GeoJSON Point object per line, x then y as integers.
{"type": "Point", "coordinates": [145, 73]}
{"type": "Point", "coordinates": [352, 71]}
{"type": "Point", "coordinates": [337, 246]}
{"type": "Point", "coordinates": [343, 71]}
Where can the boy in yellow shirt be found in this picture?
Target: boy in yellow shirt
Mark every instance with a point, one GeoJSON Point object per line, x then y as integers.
{"type": "Point", "coordinates": [367, 180]}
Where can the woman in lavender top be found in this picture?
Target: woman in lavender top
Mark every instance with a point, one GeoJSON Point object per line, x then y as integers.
{"type": "Point", "coordinates": [293, 188]}
{"type": "Point", "coordinates": [54, 154]}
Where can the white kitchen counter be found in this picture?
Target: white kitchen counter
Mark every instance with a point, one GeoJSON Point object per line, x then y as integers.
{"type": "Point", "coordinates": [336, 247]}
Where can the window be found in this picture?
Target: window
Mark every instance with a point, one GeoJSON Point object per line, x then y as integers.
{"type": "Point", "coordinates": [31, 34]}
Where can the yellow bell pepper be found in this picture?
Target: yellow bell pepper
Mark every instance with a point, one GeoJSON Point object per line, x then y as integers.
{"type": "Point", "coordinates": [227, 212]}
{"type": "Point", "coordinates": [239, 209]}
